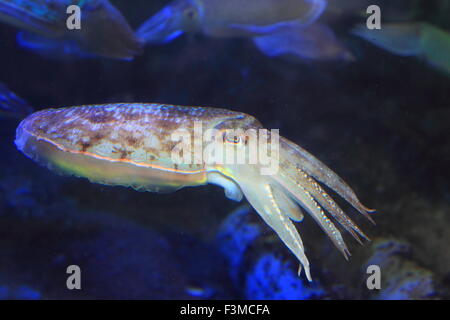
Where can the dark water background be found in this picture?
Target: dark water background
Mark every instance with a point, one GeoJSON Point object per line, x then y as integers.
{"type": "Point", "coordinates": [382, 123]}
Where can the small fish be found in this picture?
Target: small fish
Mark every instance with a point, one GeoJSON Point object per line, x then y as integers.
{"type": "Point", "coordinates": [104, 31]}
{"type": "Point", "coordinates": [421, 40]}
{"type": "Point", "coordinates": [278, 27]}
{"type": "Point", "coordinates": [132, 145]}
{"type": "Point", "coordinates": [11, 105]}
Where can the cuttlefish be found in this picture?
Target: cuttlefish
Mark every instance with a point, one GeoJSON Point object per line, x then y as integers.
{"type": "Point", "coordinates": [134, 145]}
{"type": "Point", "coordinates": [277, 27]}
{"type": "Point", "coordinates": [103, 29]}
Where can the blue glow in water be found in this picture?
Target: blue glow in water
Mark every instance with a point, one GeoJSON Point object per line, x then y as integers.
{"type": "Point", "coordinates": [4, 292]}
{"type": "Point", "coordinates": [273, 279]}
{"type": "Point", "coordinates": [26, 293]}
{"type": "Point", "coordinates": [173, 36]}
{"type": "Point", "coordinates": [236, 235]}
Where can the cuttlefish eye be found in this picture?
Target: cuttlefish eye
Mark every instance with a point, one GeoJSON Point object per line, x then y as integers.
{"type": "Point", "coordinates": [232, 138]}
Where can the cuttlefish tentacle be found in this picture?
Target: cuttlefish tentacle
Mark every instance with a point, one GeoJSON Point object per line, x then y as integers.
{"type": "Point", "coordinates": [271, 205]}
{"type": "Point", "coordinates": [307, 201]}
{"type": "Point", "coordinates": [292, 209]}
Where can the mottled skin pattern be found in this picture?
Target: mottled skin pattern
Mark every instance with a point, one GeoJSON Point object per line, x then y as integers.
{"type": "Point", "coordinates": [104, 30]}
{"type": "Point", "coordinates": [131, 144]}
{"type": "Point", "coordinates": [138, 132]}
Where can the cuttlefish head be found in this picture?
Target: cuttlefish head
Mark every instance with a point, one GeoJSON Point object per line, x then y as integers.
{"type": "Point", "coordinates": [278, 178]}
{"type": "Point", "coordinates": [246, 162]}
{"type": "Point", "coordinates": [227, 152]}
{"type": "Point", "coordinates": [170, 22]}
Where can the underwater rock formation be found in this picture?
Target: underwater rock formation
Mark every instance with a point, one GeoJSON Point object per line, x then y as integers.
{"type": "Point", "coordinates": [257, 269]}
{"type": "Point", "coordinates": [118, 259]}
{"type": "Point", "coordinates": [401, 277]}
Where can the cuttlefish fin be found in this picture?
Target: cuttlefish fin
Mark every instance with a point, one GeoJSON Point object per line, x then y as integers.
{"type": "Point", "coordinates": [292, 210]}
{"type": "Point", "coordinates": [275, 213]}
{"type": "Point", "coordinates": [232, 190]}
{"type": "Point", "coordinates": [316, 10]}
{"type": "Point", "coordinates": [252, 29]}
{"type": "Point", "coordinates": [51, 48]}
{"type": "Point", "coordinates": [314, 42]}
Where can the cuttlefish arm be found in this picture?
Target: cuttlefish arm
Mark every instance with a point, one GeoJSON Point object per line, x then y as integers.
{"type": "Point", "coordinates": [313, 10]}
{"type": "Point", "coordinates": [274, 197]}
{"type": "Point", "coordinates": [277, 210]}
{"type": "Point", "coordinates": [274, 206]}
{"type": "Point", "coordinates": [297, 156]}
